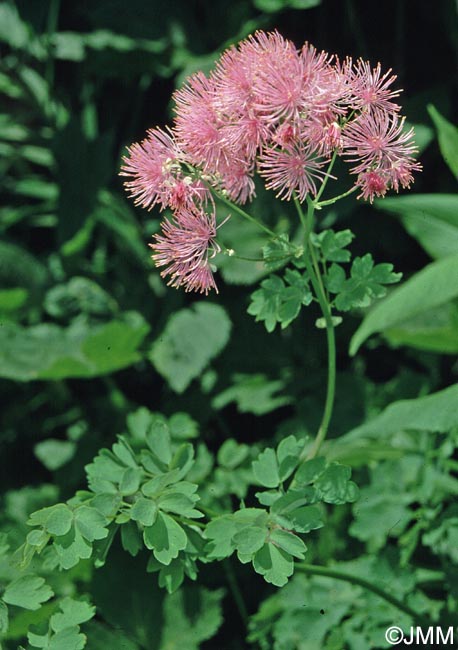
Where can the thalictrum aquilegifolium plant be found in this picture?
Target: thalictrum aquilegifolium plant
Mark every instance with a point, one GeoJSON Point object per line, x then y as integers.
{"type": "Point", "coordinates": [288, 118]}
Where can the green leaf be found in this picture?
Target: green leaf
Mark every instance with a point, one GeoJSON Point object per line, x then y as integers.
{"type": "Point", "coordinates": [253, 394]}
{"type": "Point", "coordinates": [231, 453]}
{"type": "Point", "coordinates": [3, 618]}
{"type": "Point", "coordinates": [434, 331]}
{"type": "Point", "coordinates": [190, 340]}
{"type": "Point", "coordinates": [131, 539]}
{"type": "Point", "coordinates": [436, 412]}
{"type": "Point", "coordinates": [90, 523]}
{"type": "Point", "coordinates": [47, 351]}
{"type": "Point", "coordinates": [220, 532]}
{"type": "Point", "coordinates": [165, 537]}
{"type": "Point", "coordinates": [250, 539]}
{"type": "Point", "coordinates": [310, 470]}
{"type": "Point", "coordinates": [277, 253]}
{"type": "Point", "coordinates": [56, 520]}
{"type": "Point", "coordinates": [54, 453]}
{"type": "Point", "coordinates": [28, 591]}
{"type": "Point", "coordinates": [277, 302]}
{"type": "Point", "coordinates": [333, 245]}
{"type": "Point", "coordinates": [130, 481]}
{"type": "Point", "coordinates": [431, 287]}
{"type": "Point", "coordinates": [289, 542]}
{"type": "Point", "coordinates": [73, 612]}
{"type": "Point", "coordinates": [274, 564]}
{"type": "Point", "coordinates": [334, 485]}
{"type": "Point", "coordinates": [71, 548]}
{"type": "Point", "coordinates": [288, 453]}
{"type": "Point", "coordinates": [448, 138]}
{"type": "Point", "coordinates": [158, 440]}
{"type": "Point", "coordinates": [364, 285]}
{"type": "Point", "coordinates": [432, 219]}
{"type": "Point", "coordinates": [265, 469]}
{"type": "Point", "coordinates": [144, 511]}
{"type": "Point", "coordinates": [68, 639]}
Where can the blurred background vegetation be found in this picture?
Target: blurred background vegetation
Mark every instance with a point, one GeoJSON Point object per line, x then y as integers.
{"type": "Point", "coordinates": [83, 312]}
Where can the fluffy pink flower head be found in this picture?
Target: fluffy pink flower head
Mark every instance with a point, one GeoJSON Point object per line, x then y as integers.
{"type": "Point", "coordinates": [185, 248]}
{"type": "Point", "coordinates": [370, 89]}
{"type": "Point", "coordinates": [156, 177]}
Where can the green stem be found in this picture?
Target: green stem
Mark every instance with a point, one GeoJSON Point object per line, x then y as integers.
{"type": "Point", "coordinates": [328, 175]}
{"type": "Point", "coordinates": [241, 212]}
{"type": "Point", "coordinates": [336, 198]}
{"type": "Point", "coordinates": [235, 590]}
{"type": "Point", "coordinates": [312, 569]}
{"type": "Point", "coordinates": [317, 283]}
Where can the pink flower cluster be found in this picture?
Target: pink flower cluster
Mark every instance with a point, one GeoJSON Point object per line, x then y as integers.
{"type": "Point", "coordinates": [272, 110]}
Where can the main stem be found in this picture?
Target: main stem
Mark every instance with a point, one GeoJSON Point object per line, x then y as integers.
{"type": "Point", "coordinates": [313, 270]}
{"type": "Point", "coordinates": [312, 569]}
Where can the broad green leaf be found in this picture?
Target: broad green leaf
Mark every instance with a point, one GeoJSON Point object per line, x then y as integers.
{"type": "Point", "coordinates": [131, 539]}
{"type": "Point", "coordinates": [448, 138]}
{"type": "Point", "coordinates": [266, 301]}
{"type": "Point", "coordinates": [47, 351]}
{"type": "Point", "coordinates": [277, 253]}
{"type": "Point", "coordinates": [158, 440]}
{"type": "Point", "coordinates": [79, 295]}
{"type": "Point", "coordinates": [265, 469]}
{"type": "Point", "coordinates": [29, 592]}
{"type": "Point", "coordinates": [437, 412]}
{"type": "Point", "coordinates": [310, 470]}
{"type": "Point", "coordinates": [274, 564]}
{"type": "Point", "coordinates": [305, 519]}
{"type": "Point", "coordinates": [432, 219]}
{"type": "Point", "coordinates": [144, 511]}
{"type": "Point", "coordinates": [165, 537]}
{"type": "Point", "coordinates": [171, 577]}
{"type": "Point", "coordinates": [435, 331]}
{"type": "Point", "coordinates": [54, 453]}
{"type": "Point", "coordinates": [190, 340]}
{"type": "Point", "coordinates": [431, 287]}
{"type": "Point", "coordinates": [73, 612]}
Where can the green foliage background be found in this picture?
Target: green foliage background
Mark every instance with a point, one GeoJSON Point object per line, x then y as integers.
{"type": "Point", "coordinates": [89, 334]}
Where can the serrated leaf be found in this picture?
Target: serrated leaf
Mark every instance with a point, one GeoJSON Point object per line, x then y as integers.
{"type": "Point", "coordinates": [190, 340]}
{"type": "Point", "coordinates": [73, 612]}
{"type": "Point", "coordinates": [266, 301]}
{"type": "Point", "coordinates": [365, 283]}
{"type": "Point", "coordinates": [265, 469]}
{"type": "Point", "coordinates": [28, 591]}
{"type": "Point", "coordinates": [274, 564]}
{"type": "Point", "coordinates": [56, 520]}
{"type": "Point", "coordinates": [334, 485]}
{"type": "Point", "coordinates": [144, 511]}
{"type": "Point", "coordinates": [90, 523]}
{"type": "Point", "coordinates": [333, 245]}
{"type": "Point", "coordinates": [277, 253]}
{"type": "Point", "coordinates": [171, 577]}
{"type": "Point", "coordinates": [68, 639]}
{"type": "Point", "coordinates": [250, 539]}
{"type": "Point", "coordinates": [220, 532]}
{"type": "Point", "coordinates": [165, 537]}
{"type": "Point", "coordinates": [71, 548]}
